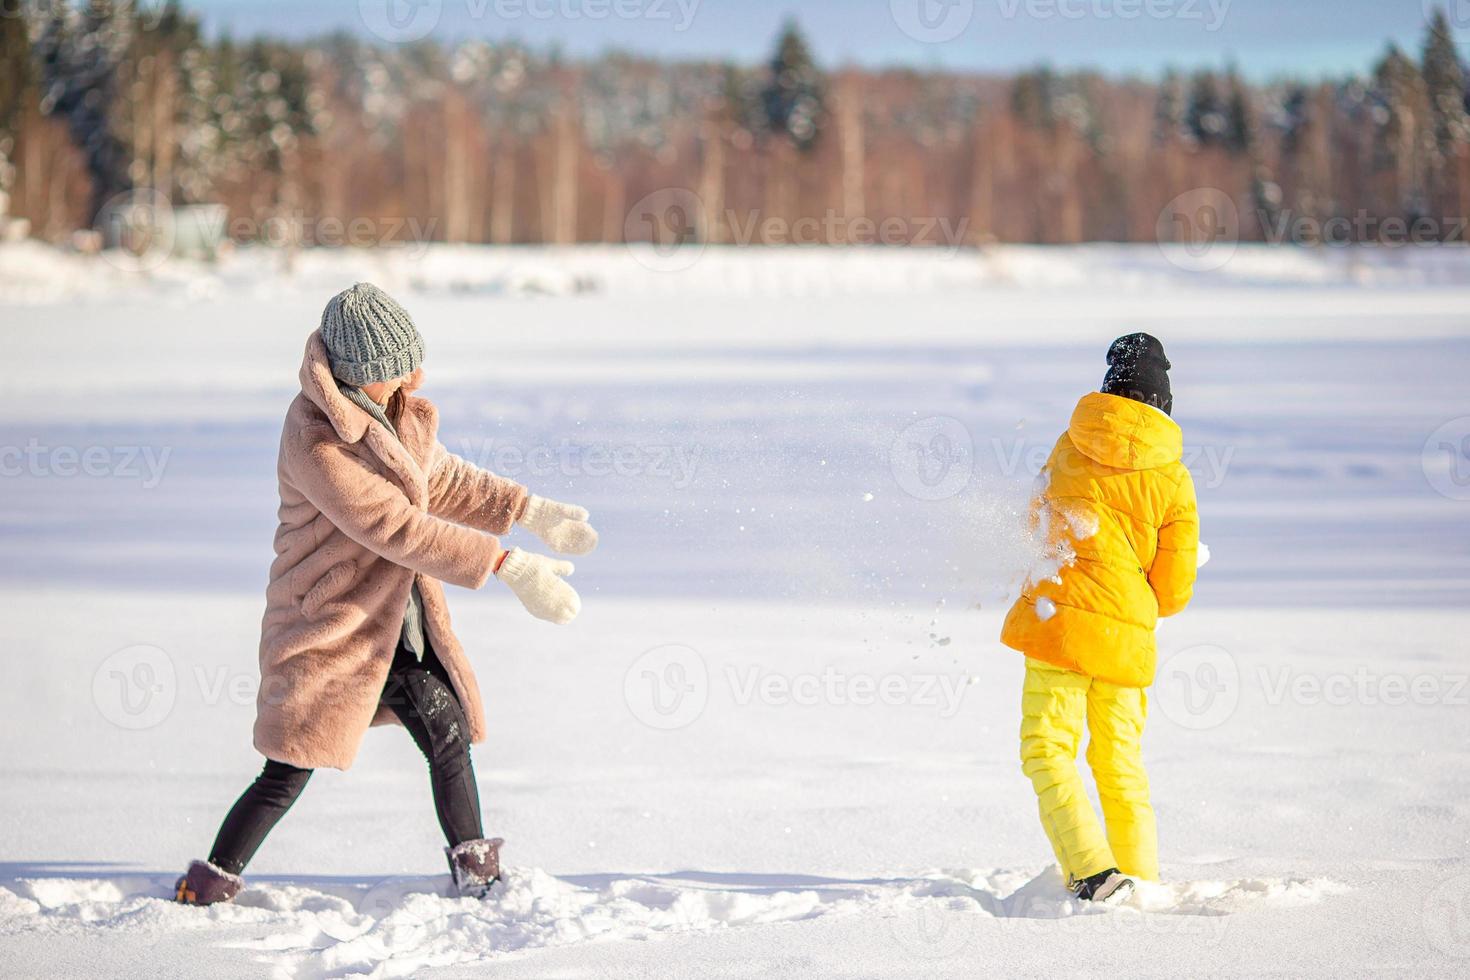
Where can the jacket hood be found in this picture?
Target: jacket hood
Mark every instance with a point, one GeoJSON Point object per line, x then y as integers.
{"type": "Point", "coordinates": [322, 389]}
{"type": "Point", "coordinates": [1124, 433]}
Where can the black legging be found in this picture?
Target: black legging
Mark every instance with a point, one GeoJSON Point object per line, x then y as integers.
{"type": "Point", "coordinates": [422, 697]}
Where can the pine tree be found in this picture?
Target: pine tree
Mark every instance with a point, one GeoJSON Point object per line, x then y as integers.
{"type": "Point", "coordinates": [159, 74]}
{"type": "Point", "coordinates": [1240, 119]}
{"type": "Point", "coordinates": [201, 137]}
{"type": "Point", "coordinates": [795, 91]}
{"type": "Point", "coordinates": [1170, 109]}
{"type": "Point", "coordinates": [1401, 134]}
{"type": "Point", "coordinates": [15, 67]}
{"type": "Point", "coordinates": [742, 92]}
{"type": "Point", "coordinates": [279, 114]}
{"type": "Point", "coordinates": [227, 111]}
{"type": "Point", "coordinates": [1207, 117]}
{"type": "Point", "coordinates": [1296, 115]}
{"type": "Point", "coordinates": [79, 51]}
{"type": "Point", "coordinates": [1301, 165]}
{"type": "Point", "coordinates": [515, 100]}
{"type": "Point", "coordinates": [1035, 96]}
{"type": "Point", "coordinates": [15, 95]}
{"type": "Point", "coordinates": [1444, 83]}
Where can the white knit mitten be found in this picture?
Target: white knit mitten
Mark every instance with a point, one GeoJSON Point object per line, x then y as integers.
{"type": "Point", "coordinates": [537, 582]}
{"type": "Point", "coordinates": [563, 527]}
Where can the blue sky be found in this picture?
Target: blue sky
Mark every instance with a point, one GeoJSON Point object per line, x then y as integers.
{"type": "Point", "coordinates": [1266, 38]}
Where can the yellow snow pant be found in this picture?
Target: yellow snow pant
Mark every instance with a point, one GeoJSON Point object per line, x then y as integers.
{"type": "Point", "coordinates": [1055, 704]}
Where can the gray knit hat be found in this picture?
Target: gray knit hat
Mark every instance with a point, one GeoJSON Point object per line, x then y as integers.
{"type": "Point", "coordinates": [369, 337]}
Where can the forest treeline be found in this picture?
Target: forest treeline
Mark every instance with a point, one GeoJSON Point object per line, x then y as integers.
{"type": "Point", "coordinates": [497, 142]}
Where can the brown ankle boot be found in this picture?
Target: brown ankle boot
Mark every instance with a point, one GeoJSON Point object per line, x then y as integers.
{"type": "Point", "coordinates": [475, 866]}
{"type": "Point", "coordinates": [205, 884]}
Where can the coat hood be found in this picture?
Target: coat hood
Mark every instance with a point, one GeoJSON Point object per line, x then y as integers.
{"type": "Point", "coordinates": [320, 387]}
{"type": "Point", "coordinates": [404, 453]}
{"type": "Point", "coordinates": [1124, 433]}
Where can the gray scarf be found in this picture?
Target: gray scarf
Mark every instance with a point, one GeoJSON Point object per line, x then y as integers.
{"type": "Point", "coordinates": [413, 619]}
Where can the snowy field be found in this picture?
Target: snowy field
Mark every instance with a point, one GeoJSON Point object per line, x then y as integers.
{"type": "Point", "coordinates": [781, 738]}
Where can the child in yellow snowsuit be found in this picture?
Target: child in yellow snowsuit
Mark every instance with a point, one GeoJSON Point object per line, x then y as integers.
{"type": "Point", "coordinates": [1119, 505]}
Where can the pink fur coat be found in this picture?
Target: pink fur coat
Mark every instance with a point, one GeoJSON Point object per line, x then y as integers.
{"type": "Point", "coordinates": [362, 514]}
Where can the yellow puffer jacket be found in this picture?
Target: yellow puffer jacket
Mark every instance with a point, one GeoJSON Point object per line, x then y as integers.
{"type": "Point", "coordinates": [1118, 496]}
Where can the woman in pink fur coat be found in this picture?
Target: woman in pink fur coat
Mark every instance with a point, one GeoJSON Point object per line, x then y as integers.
{"type": "Point", "coordinates": [375, 513]}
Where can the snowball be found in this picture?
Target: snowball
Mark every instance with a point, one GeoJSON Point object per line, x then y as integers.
{"type": "Point", "coordinates": [1204, 555]}
{"type": "Point", "coordinates": [1045, 609]}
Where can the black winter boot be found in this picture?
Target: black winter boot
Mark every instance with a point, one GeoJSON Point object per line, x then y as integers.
{"type": "Point", "coordinates": [205, 884]}
{"type": "Point", "coordinates": [475, 866]}
{"type": "Point", "coordinates": [1108, 887]}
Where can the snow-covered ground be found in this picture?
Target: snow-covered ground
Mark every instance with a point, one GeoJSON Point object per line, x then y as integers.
{"type": "Point", "coordinates": [781, 738]}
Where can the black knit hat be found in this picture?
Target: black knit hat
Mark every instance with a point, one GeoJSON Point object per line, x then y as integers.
{"type": "Point", "coordinates": [1138, 369]}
